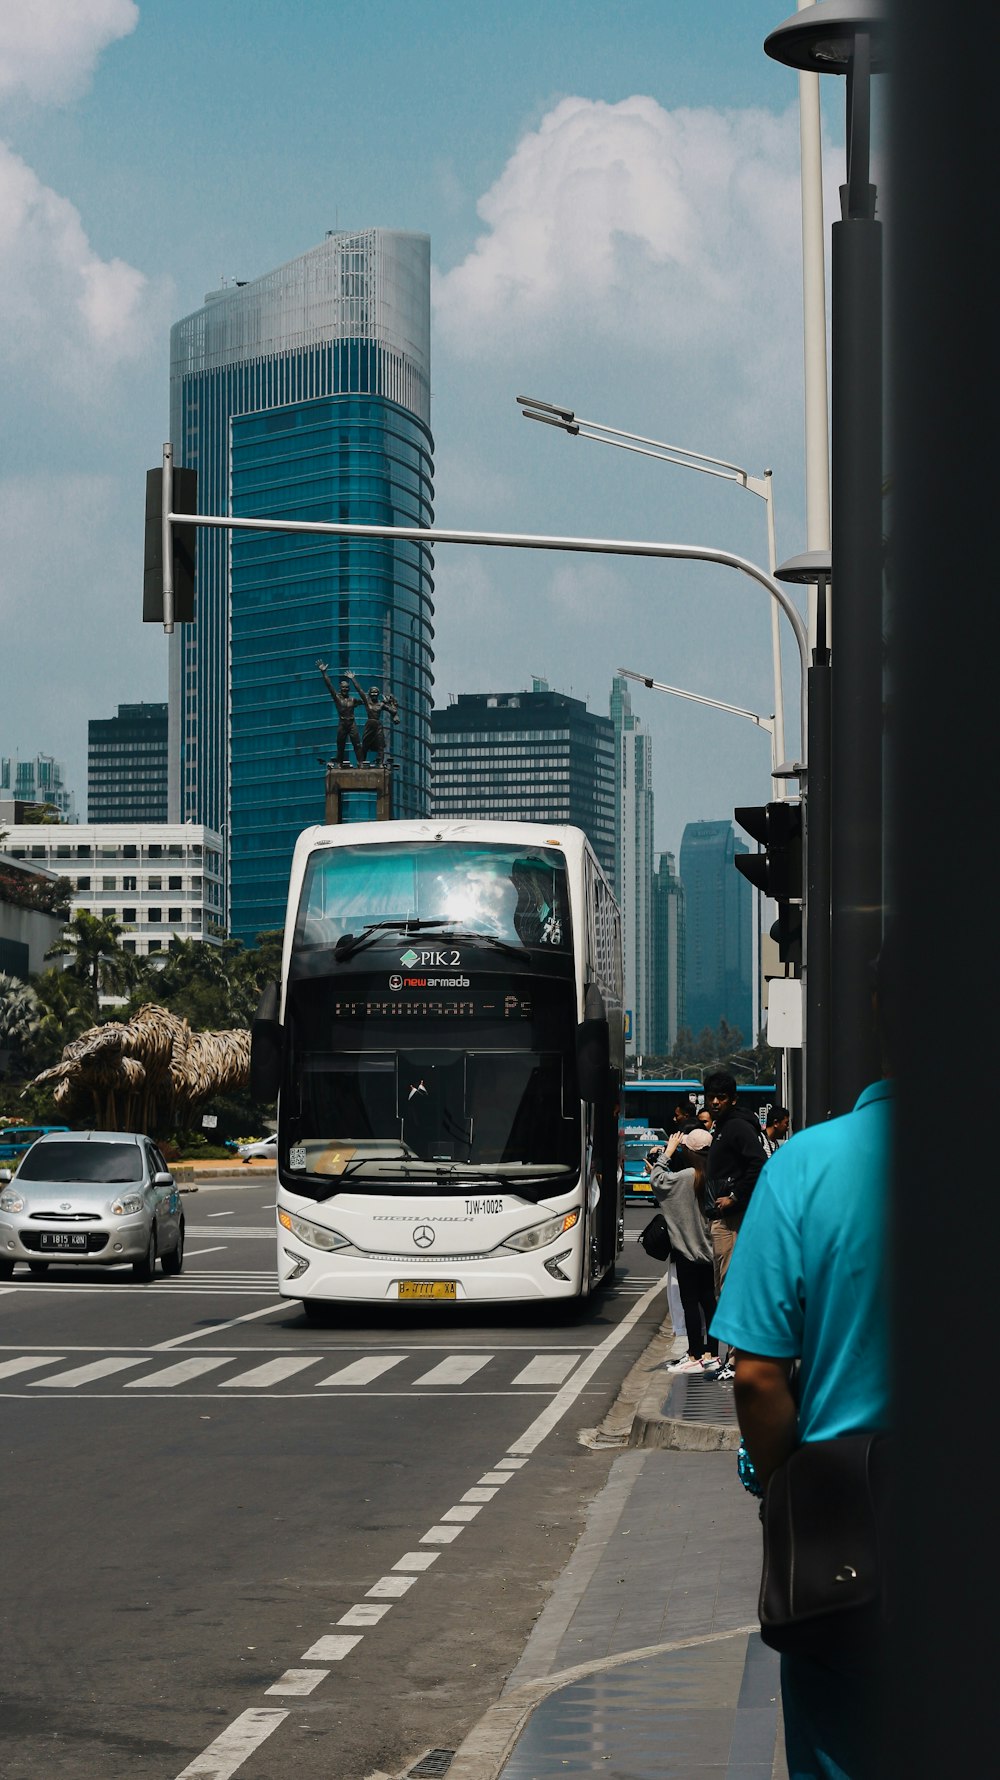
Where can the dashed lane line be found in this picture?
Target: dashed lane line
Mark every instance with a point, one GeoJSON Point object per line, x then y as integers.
{"type": "Point", "coordinates": [235, 1744]}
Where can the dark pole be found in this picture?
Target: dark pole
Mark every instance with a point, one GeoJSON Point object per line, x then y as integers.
{"type": "Point", "coordinates": [856, 549]}
{"type": "Point", "coordinates": [817, 862]}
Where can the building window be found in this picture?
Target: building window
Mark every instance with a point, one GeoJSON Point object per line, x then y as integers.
{"type": "Point", "coordinates": [156, 945]}
{"type": "Point", "coordinates": [109, 883]}
{"type": "Point", "coordinates": [130, 883]}
{"type": "Point", "coordinates": [174, 884]}
{"type": "Point", "coordinates": [128, 915]}
{"type": "Point", "coordinates": [128, 945]}
{"type": "Point", "coordinates": [175, 915]}
{"type": "Point", "coordinates": [83, 883]}
{"type": "Point", "coordinates": [154, 884]}
{"type": "Point", "coordinates": [154, 915]}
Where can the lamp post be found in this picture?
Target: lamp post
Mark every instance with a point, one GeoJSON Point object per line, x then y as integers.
{"type": "Point", "coordinates": [575, 427]}
{"type": "Point", "coordinates": [767, 724]}
{"type": "Point", "coordinates": [849, 37]}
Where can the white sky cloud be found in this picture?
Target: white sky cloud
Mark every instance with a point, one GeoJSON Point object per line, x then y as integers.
{"type": "Point", "coordinates": [629, 218]}
{"type": "Point", "coordinates": [66, 314]}
{"type": "Point", "coordinates": [48, 48]}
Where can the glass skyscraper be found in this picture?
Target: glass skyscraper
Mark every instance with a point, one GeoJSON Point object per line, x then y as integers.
{"type": "Point", "coordinates": [304, 394]}
{"type": "Point", "coordinates": [718, 931]}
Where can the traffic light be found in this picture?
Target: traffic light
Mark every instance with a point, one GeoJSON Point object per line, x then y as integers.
{"type": "Point", "coordinates": [185, 500]}
{"type": "Point", "coordinates": [777, 870]}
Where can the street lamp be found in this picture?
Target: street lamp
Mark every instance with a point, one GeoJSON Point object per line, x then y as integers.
{"type": "Point", "coordinates": [767, 724]}
{"type": "Point", "coordinates": [850, 37]}
{"type": "Point", "coordinates": [573, 424]}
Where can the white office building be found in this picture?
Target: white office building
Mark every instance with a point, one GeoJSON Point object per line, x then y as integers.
{"type": "Point", "coordinates": [160, 881]}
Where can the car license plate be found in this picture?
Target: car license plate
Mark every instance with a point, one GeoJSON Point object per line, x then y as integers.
{"type": "Point", "coordinates": [63, 1239]}
{"type": "Point", "coordinates": [426, 1288]}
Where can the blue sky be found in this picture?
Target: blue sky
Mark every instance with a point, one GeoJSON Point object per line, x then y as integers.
{"type": "Point", "coordinates": [612, 197]}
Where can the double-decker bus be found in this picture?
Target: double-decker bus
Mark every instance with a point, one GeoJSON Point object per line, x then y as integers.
{"type": "Point", "coordinates": [447, 1049]}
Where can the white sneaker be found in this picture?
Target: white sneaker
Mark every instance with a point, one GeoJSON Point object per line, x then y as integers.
{"type": "Point", "coordinates": [685, 1365]}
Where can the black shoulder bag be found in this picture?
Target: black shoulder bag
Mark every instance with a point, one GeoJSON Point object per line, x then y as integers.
{"type": "Point", "coordinates": [824, 1514]}
{"type": "Point", "coordinates": [655, 1238]}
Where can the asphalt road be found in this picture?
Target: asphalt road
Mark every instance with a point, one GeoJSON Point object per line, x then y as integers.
{"type": "Point", "coordinates": [236, 1543]}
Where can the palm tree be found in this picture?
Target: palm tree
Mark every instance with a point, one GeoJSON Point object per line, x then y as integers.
{"type": "Point", "coordinates": [98, 960]}
{"type": "Point", "coordinates": [20, 1016]}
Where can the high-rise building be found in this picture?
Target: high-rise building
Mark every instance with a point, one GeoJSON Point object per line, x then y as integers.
{"type": "Point", "coordinates": [127, 765]}
{"type": "Point", "coordinates": [537, 756]}
{"type": "Point", "coordinates": [303, 394]}
{"type": "Point", "coordinates": [718, 930]}
{"type": "Point", "coordinates": [634, 853]}
{"type": "Point", "coordinates": [668, 956]}
{"type": "Point", "coordinates": [39, 780]}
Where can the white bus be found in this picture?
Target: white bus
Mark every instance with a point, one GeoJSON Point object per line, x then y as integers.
{"type": "Point", "coordinates": [447, 1050]}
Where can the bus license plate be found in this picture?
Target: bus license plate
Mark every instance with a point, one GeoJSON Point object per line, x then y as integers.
{"type": "Point", "coordinates": [426, 1288]}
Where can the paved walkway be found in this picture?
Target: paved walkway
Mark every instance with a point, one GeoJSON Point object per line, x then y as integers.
{"type": "Point", "coordinates": [646, 1663]}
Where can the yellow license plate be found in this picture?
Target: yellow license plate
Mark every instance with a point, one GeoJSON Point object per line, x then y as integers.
{"type": "Point", "coordinates": [426, 1288]}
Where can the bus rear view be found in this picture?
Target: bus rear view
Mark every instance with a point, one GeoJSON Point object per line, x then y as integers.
{"type": "Point", "coordinates": [446, 1048]}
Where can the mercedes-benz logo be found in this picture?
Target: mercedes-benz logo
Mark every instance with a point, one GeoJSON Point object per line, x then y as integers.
{"type": "Point", "coordinates": [423, 1236]}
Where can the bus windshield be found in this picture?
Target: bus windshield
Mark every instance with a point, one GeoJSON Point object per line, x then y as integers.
{"type": "Point", "coordinates": [517, 894]}
{"type": "Point", "coordinates": [430, 1084]}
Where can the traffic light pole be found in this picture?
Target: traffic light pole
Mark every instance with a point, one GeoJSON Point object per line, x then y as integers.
{"type": "Point", "coordinates": [167, 538]}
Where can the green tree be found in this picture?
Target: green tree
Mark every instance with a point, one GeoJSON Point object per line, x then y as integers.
{"type": "Point", "coordinates": [20, 1018]}
{"type": "Point", "coordinates": [94, 941]}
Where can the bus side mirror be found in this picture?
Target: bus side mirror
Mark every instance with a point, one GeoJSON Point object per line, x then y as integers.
{"type": "Point", "coordinates": [593, 1058]}
{"type": "Point", "coordinates": [266, 1046]}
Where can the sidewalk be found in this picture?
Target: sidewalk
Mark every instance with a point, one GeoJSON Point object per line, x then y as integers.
{"type": "Point", "coordinates": [646, 1663]}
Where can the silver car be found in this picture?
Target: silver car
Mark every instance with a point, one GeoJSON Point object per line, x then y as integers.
{"type": "Point", "coordinates": [91, 1199]}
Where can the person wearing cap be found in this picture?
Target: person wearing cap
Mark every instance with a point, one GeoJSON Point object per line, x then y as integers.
{"type": "Point", "coordinates": [678, 1182]}
{"type": "Point", "coordinates": [808, 1284]}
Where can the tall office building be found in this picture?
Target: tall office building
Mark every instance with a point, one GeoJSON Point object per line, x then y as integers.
{"type": "Point", "coordinates": [39, 780]}
{"type": "Point", "coordinates": [668, 955]}
{"type": "Point", "coordinates": [303, 394]}
{"type": "Point", "coordinates": [127, 765]}
{"type": "Point", "coordinates": [634, 854]}
{"type": "Point", "coordinates": [537, 756]}
{"type": "Point", "coordinates": [718, 930]}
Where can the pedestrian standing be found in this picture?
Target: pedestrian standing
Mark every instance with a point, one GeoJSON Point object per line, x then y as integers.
{"type": "Point", "coordinates": [678, 1181]}
{"type": "Point", "coordinates": [734, 1162]}
{"type": "Point", "coordinates": [808, 1284]}
{"type": "Point", "coordinates": [775, 1128]}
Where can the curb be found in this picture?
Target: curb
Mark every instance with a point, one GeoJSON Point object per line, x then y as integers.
{"type": "Point", "coordinates": [656, 1424]}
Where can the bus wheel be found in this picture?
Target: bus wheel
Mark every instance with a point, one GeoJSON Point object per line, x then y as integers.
{"type": "Point", "coordinates": [317, 1310]}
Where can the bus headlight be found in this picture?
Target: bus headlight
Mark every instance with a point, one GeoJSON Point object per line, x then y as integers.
{"type": "Point", "coordinates": [540, 1235]}
{"type": "Point", "coordinates": [312, 1234]}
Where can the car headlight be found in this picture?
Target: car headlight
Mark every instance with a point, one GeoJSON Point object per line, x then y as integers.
{"type": "Point", "coordinates": [313, 1234]}
{"type": "Point", "coordinates": [127, 1204]}
{"type": "Point", "coordinates": [540, 1235]}
{"type": "Point", "coordinates": [11, 1200]}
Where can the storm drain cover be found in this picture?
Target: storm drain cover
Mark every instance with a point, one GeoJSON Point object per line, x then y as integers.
{"type": "Point", "coordinates": [436, 1761]}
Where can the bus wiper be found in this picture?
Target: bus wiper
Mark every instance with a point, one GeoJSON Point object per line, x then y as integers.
{"type": "Point", "coordinates": [488, 939]}
{"type": "Point", "coordinates": [349, 943]}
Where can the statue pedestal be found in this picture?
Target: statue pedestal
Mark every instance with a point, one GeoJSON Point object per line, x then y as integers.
{"type": "Point", "coordinates": [358, 778]}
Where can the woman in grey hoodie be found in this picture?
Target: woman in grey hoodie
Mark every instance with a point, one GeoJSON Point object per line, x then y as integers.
{"type": "Point", "coordinates": [678, 1181]}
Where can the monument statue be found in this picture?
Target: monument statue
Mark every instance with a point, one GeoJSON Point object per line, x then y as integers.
{"type": "Point", "coordinates": [373, 739]}
{"type": "Point", "coordinates": [347, 727]}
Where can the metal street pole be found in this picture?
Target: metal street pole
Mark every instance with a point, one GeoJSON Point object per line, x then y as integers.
{"type": "Point", "coordinates": [848, 37]}
{"type": "Point", "coordinates": [566, 420]}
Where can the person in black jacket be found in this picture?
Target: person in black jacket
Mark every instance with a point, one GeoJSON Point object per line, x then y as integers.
{"type": "Point", "coordinates": [735, 1159]}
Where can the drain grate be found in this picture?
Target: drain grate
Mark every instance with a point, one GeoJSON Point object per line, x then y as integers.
{"type": "Point", "coordinates": [694, 1399]}
{"type": "Point", "coordinates": [435, 1762]}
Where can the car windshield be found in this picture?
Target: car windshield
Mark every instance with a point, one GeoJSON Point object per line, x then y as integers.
{"type": "Point", "coordinates": [109, 1163]}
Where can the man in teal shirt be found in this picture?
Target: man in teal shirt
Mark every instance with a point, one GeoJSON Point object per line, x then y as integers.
{"type": "Point", "coordinates": [807, 1282]}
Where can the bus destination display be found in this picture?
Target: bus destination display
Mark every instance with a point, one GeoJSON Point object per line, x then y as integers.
{"type": "Point", "coordinates": [470, 1004]}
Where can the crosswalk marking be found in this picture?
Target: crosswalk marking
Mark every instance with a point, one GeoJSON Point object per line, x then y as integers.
{"type": "Point", "coordinates": [272, 1372]}
{"type": "Point", "coordinates": [179, 1374]}
{"type": "Point", "coordinates": [456, 1369]}
{"type": "Point", "coordinates": [25, 1362]}
{"type": "Point", "coordinates": [547, 1369]}
{"type": "Point", "coordinates": [77, 1375]}
{"type": "Point", "coordinates": [364, 1371]}
{"type": "Point", "coordinates": [206, 1370]}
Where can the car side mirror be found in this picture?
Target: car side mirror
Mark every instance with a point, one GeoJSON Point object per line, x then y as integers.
{"type": "Point", "coordinates": [266, 1046]}
{"type": "Point", "coordinates": [593, 1046]}
{"type": "Point", "coordinates": [163, 1180]}
{"type": "Point", "coordinates": [5, 1176]}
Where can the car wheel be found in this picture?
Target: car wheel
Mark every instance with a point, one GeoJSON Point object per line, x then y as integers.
{"type": "Point", "coordinates": [146, 1268]}
{"type": "Point", "coordinates": [6, 1269]}
{"type": "Point", "coordinates": [174, 1262]}
{"type": "Point", "coordinates": [38, 1268]}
